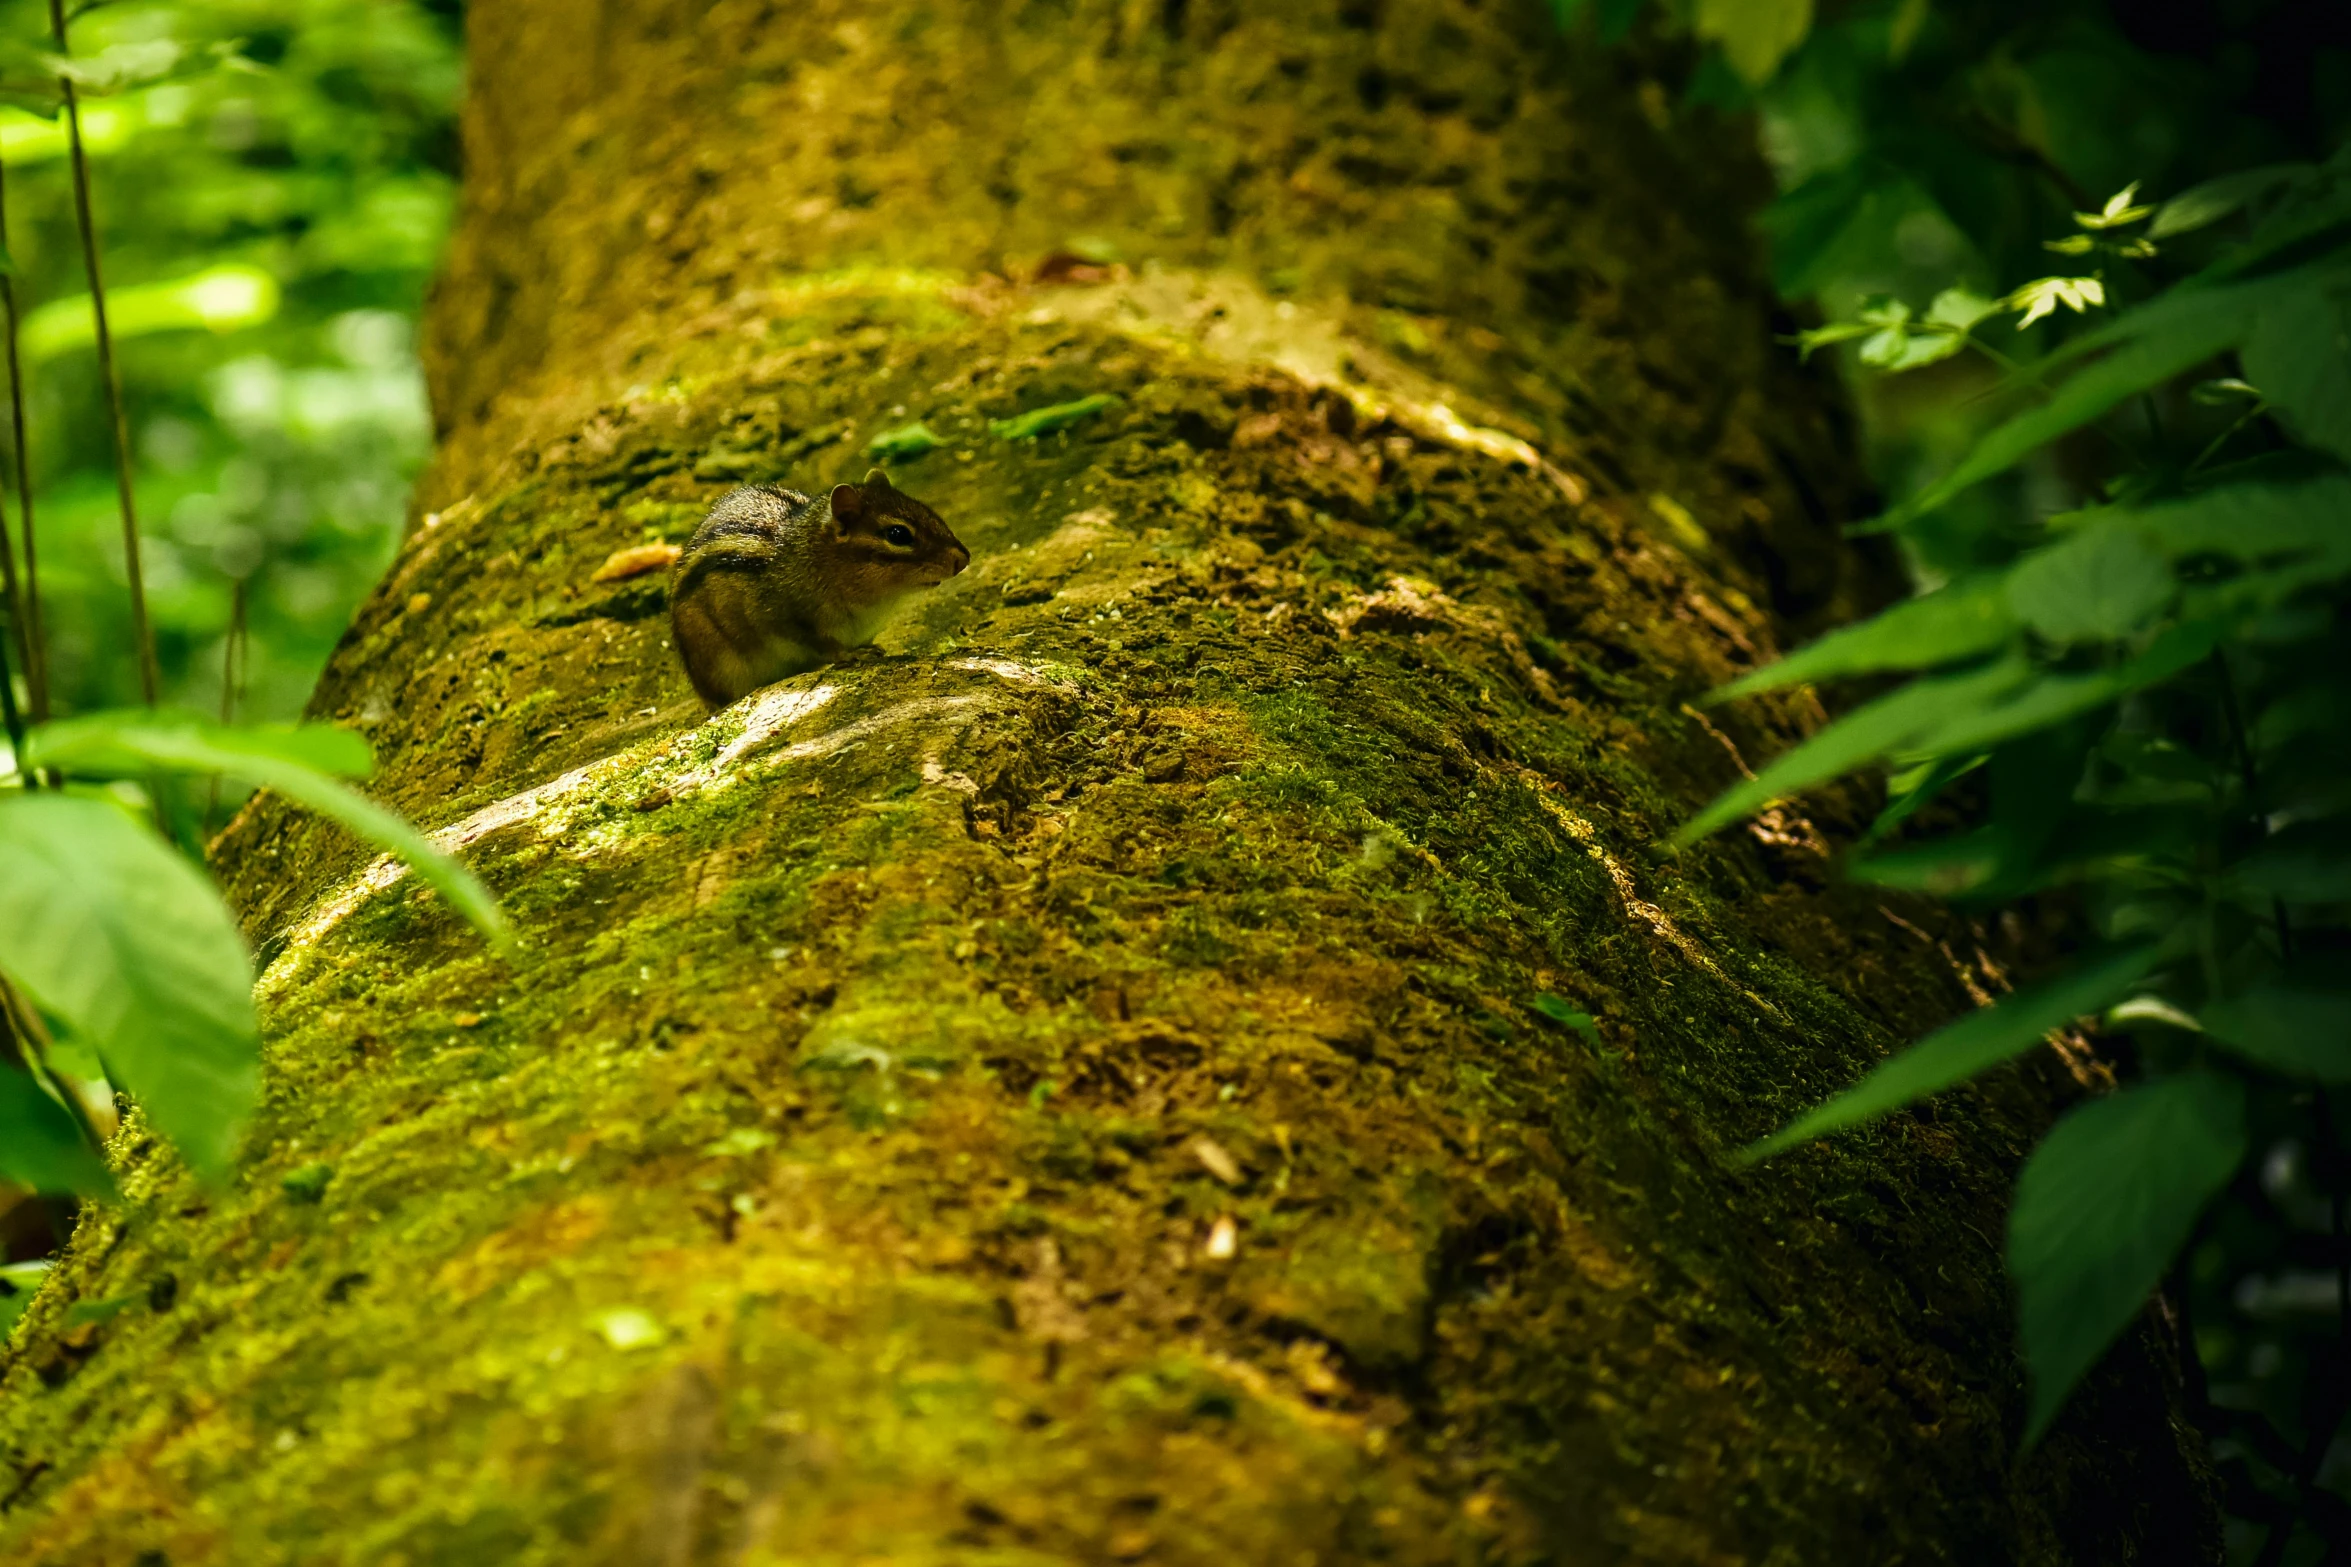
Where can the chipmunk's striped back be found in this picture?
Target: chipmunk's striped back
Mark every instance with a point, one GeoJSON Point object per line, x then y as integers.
{"type": "Point", "coordinates": [774, 582]}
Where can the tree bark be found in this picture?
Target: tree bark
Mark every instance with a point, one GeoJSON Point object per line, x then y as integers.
{"type": "Point", "coordinates": [1071, 1087]}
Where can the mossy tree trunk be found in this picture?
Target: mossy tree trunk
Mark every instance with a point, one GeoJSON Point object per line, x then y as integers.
{"type": "Point", "coordinates": [1070, 1089]}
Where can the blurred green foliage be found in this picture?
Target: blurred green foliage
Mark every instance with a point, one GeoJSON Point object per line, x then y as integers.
{"type": "Point", "coordinates": [272, 181]}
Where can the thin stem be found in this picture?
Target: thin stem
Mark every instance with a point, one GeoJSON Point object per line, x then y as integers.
{"type": "Point", "coordinates": [22, 1033]}
{"type": "Point", "coordinates": [149, 679]}
{"type": "Point", "coordinates": [2246, 770]}
{"type": "Point", "coordinates": [9, 716]}
{"type": "Point", "coordinates": [12, 606]}
{"type": "Point", "coordinates": [11, 611]}
{"type": "Point", "coordinates": [237, 656]}
{"type": "Point", "coordinates": [2222, 439]}
{"type": "Point", "coordinates": [232, 683]}
{"type": "Point", "coordinates": [35, 650]}
{"type": "Point", "coordinates": [1989, 352]}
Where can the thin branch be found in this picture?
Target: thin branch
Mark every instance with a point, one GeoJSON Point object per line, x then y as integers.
{"type": "Point", "coordinates": [25, 613]}
{"type": "Point", "coordinates": [141, 632]}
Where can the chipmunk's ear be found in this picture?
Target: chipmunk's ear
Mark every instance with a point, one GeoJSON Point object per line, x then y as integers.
{"type": "Point", "coordinates": [848, 504]}
{"type": "Point", "coordinates": [875, 479]}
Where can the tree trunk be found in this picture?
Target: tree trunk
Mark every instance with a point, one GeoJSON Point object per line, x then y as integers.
{"type": "Point", "coordinates": [1072, 1088]}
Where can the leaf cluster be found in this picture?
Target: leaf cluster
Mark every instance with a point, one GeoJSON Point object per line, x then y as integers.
{"type": "Point", "coordinates": [2125, 488]}
{"type": "Point", "coordinates": [2152, 685]}
{"type": "Point", "coordinates": [120, 966]}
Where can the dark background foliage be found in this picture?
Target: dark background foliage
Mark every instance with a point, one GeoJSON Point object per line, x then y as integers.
{"type": "Point", "coordinates": [1947, 154]}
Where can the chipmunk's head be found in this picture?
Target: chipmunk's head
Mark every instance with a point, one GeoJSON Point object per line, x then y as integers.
{"type": "Point", "coordinates": [888, 543]}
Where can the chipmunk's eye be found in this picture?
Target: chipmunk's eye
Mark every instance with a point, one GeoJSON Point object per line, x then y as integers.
{"type": "Point", "coordinates": [899, 534]}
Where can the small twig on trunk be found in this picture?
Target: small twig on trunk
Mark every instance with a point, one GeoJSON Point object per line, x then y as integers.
{"type": "Point", "coordinates": [141, 633]}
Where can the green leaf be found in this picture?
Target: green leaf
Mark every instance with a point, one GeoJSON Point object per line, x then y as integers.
{"type": "Point", "coordinates": [109, 928]}
{"type": "Point", "coordinates": [2101, 1208]}
{"type": "Point", "coordinates": [1044, 421]}
{"type": "Point", "coordinates": [306, 1183]}
{"type": "Point", "coordinates": [1862, 736]}
{"type": "Point", "coordinates": [2258, 524]}
{"type": "Point", "coordinates": [1963, 620]}
{"type": "Point", "coordinates": [2313, 219]}
{"type": "Point", "coordinates": [1945, 867]}
{"type": "Point", "coordinates": [1943, 716]}
{"type": "Point", "coordinates": [23, 1280]}
{"type": "Point", "coordinates": [2119, 211]}
{"type": "Point", "coordinates": [2170, 335]}
{"type": "Point", "coordinates": [86, 1313]}
{"type": "Point", "coordinates": [2041, 298]}
{"type": "Point", "coordinates": [120, 742]}
{"type": "Point", "coordinates": [1896, 349]}
{"type": "Point", "coordinates": [2049, 699]}
{"type": "Point", "coordinates": [2201, 205]}
{"type": "Point", "coordinates": [2016, 854]}
{"type": "Point", "coordinates": [2292, 1030]}
{"type": "Point", "coordinates": [2100, 584]}
{"type": "Point", "coordinates": [2299, 354]}
{"type": "Point", "coordinates": [2308, 862]}
{"type": "Point", "coordinates": [1913, 788]}
{"type": "Point", "coordinates": [67, 1053]}
{"type": "Point", "coordinates": [1560, 1012]}
{"type": "Point", "coordinates": [2223, 391]}
{"type": "Point", "coordinates": [41, 1145]}
{"type": "Point", "coordinates": [1958, 1051]}
{"type": "Point", "coordinates": [1959, 309]}
{"type": "Point", "coordinates": [387, 830]}
{"type": "Point", "coordinates": [132, 743]}
{"type": "Point", "coordinates": [1839, 223]}
{"type": "Point", "coordinates": [905, 443]}
{"type": "Point", "coordinates": [1756, 35]}
{"type": "Point", "coordinates": [121, 66]}
{"type": "Point", "coordinates": [218, 299]}
{"type": "Point", "coordinates": [1835, 332]}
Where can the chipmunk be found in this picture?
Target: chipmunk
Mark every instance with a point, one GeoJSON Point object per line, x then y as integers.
{"type": "Point", "coordinates": [773, 583]}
